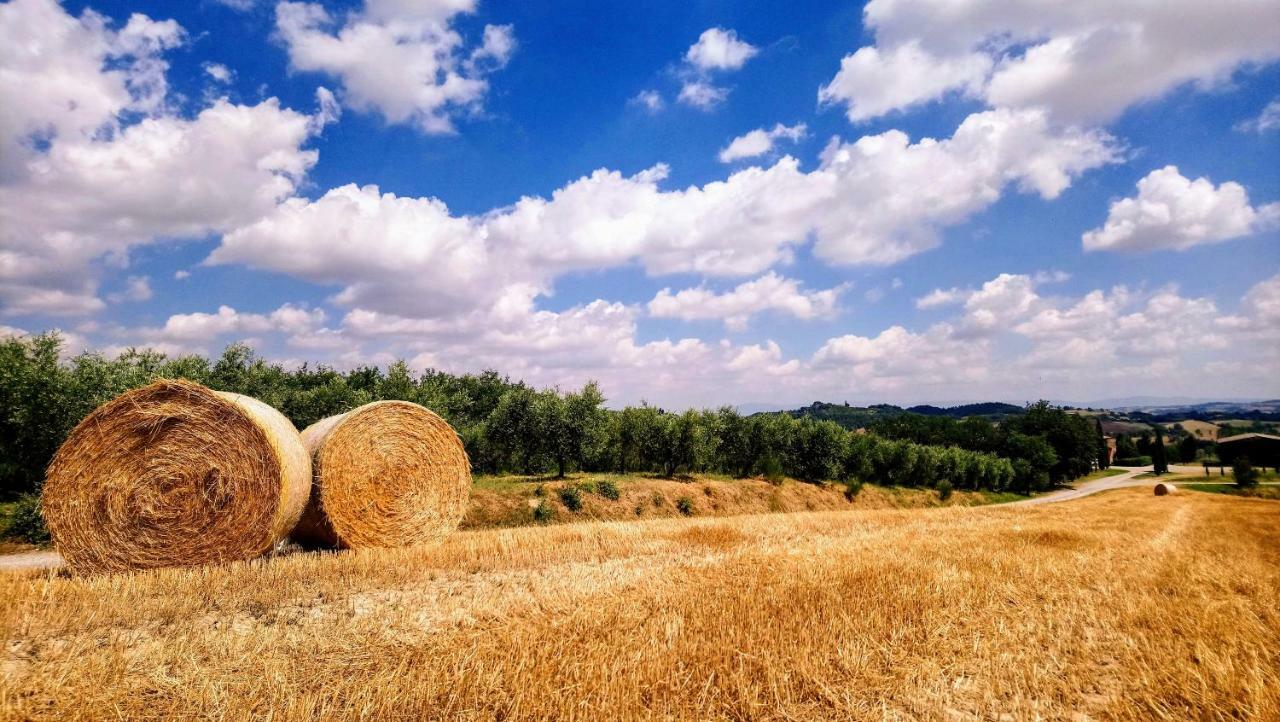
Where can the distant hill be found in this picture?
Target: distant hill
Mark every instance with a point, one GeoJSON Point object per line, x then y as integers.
{"type": "Point", "coordinates": [989, 408]}
{"type": "Point", "coordinates": [856, 417]}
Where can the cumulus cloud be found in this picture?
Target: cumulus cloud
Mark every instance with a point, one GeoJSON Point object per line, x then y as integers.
{"type": "Point", "coordinates": [877, 200]}
{"type": "Point", "coordinates": [872, 82]}
{"type": "Point", "coordinates": [702, 95]}
{"type": "Point", "coordinates": [402, 60]}
{"type": "Point", "coordinates": [115, 167]}
{"type": "Point", "coordinates": [1174, 212]}
{"type": "Point", "coordinates": [719, 49]}
{"type": "Point", "coordinates": [218, 72]}
{"type": "Point", "coordinates": [195, 332]}
{"type": "Point", "coordinates": [770, 292]}
{"type": "Point", "coordinates": [1084, 61]}
{"type": "Point", "coordinates": [74, 75]}
{"type": "Point", "coordinates": [761, 142]}
{"type": "Point", "coordinates": [897, 359]}
{"type": "Point", "coordinates": [164, 177]}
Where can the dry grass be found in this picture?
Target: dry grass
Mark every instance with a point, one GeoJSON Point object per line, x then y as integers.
{"type": "Point", "coordinates": [509, 500]}
{"type": "Point", "coordinates": [1118, 606]}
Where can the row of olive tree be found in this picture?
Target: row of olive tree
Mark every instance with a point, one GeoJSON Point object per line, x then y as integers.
{"type": "Point", "coordinates": [506, 426]}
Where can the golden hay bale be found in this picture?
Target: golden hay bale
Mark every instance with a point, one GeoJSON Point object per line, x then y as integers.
{"type": "Point", "coordinates": [175, 474]}
{"type": "Point", "coordinates": [387, 474]}
{"type": "Point", "coordinates": [1163, 489]}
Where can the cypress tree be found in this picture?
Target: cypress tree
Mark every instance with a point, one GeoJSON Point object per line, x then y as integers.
{"type": "Point", "coordinates": [1159, 463]}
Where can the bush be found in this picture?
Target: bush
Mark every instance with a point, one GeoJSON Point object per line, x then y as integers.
{"type": "Point", "coordinates": [944, 490]}
{"type": "Point", "coordinates": [571, 497]}
{"type": "Point", "coordinates": [685, 505]}
{"type": "Point", "coordinates": [25, 521]}
{"type": "Point", "coordinates": [1246, 475]}
{"type": "Point", "coordinates": [543, 513]}
{"type": "Point", "coordinates": [608, 489]}
{"type": "Point", "coordinates": [1133, 461]}
{"type": "Point", "coordinates": [771, 469]}
{"type": "Point", "coordinates": [852, 488]}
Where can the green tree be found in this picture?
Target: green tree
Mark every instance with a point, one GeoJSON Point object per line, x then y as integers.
{"type": "Point", "coordinates": [1246, 476]}
{"type": "Point", "coordinates": [1187, 448]}
{"type": "Point", "coordinates": [1159, 463]}
{"type": "Point", "coordinates": [818, 452]}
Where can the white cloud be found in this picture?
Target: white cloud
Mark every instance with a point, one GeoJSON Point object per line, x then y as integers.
{"type": "Point", "coordinates": [74, 76]}
{"type": "Point", "coordinates": [181, 275]}
{"type": "Point", "coordinates": [136, 288]}
{"type": "Point", "coordinates": [650, 100]}
{"type": "Point", "coordinates": [1173, 212]}
{"type": "Point", "coordinates": [116, 166]}
{"type": "Point", "coordinates": [1258, 319]}
{"type": "Point", "coordinates": [735, 307]}
{"type": "Point", "coordinates": [939, 297]}
{"type": "Point", "coordinates": [701, 94]}
{"type": "Point", "coordinates": [898, 359]}
{"type": "Point", "coordinates": [218, 72]}
{"type": "Point", "coordinates": [761, 142]}
{"type": "Point", "coordinates": [400, 59]}
{"type": "Point", "coordinates": [888, 197]}
{"type": "Point", "coordinates": [719, 49]}
{"type": "Point", "coordinates": [183, 330]}
{"type": "Point", "coordinates": [1268, 120]}
{"type": "Point", "coordinates": [163, 178]}
{"type": "Point", "coordinates": [874, 201]}
{"type": "Point", "coordinates": [1084, 61]}
{"type": "Point", "coordinates": [872, 82]}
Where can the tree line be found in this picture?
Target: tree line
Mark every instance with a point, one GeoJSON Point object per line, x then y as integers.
{"type": "Point", "coordinates": [510, 427]}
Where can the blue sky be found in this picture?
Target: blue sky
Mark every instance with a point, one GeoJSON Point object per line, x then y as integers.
{"type": "Point", "coordinates": [342, 183]}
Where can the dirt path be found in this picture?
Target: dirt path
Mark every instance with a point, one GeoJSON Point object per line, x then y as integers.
{"type": "Point", "coordinates": [1092, 487]}
{"type": "Point", "coordinates": [30, 560]}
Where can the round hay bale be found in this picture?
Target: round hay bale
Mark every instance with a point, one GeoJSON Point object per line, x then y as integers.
{"type": "Point", "coordinates": [1164, 489]}
{"type": "Point", "coordinates": [175, 474]}
{"type": "Point", "coordinates": [388, 474]}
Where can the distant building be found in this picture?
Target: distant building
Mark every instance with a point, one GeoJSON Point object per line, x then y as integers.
{"type": "Point", "coordinates": [1262, 449]}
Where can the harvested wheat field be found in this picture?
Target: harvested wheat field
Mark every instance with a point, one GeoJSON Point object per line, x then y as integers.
{"type": "Point", "coordinates": [1119, 606]}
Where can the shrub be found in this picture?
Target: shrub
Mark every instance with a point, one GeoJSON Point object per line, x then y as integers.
{"type": "Point", "coordinates": [608, 489]}
{"type": "Point", "coordinates": [771, 469]}
{"type": "Point", "coordinates": [944, 490]}
{"type": "Point", "coordinates": [539, 491]}
{"type": "Point", "coordinates": [25, 521]}
{"type": "Point", "coordinates": [543, 513]}
{"type": "Point", "coordinates": [852, 488]}
{"type": "Point", "coordinates": [685, 505]}
{"type": "Point", "coordinates": [1246, 475]}
{"type": "Point", "coordinates": [1133, 461]}
{"type": "Point", "coordinates": [571, 497]}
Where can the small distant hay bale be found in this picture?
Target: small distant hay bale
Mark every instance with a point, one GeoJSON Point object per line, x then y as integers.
{"type": "Point", "coordinates": [388, 474]}
{"type": "Point", "coordinates": [1164, 489]}
{"type": "Point", "coordinates": [175, 474]}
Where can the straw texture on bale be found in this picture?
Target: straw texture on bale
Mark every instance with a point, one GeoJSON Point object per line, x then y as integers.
{"type": "Point", "coordinates": [175, 474]}
{"type": "Point", "coordinates": [1163, 489]}
{"type": "Point", "coordinates": [387, 474]}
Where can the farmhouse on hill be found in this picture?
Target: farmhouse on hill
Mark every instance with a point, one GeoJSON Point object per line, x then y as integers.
{"type": "Point", "coordinates": [1262, 449]}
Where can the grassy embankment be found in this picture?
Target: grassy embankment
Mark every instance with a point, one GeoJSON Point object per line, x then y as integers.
{"type": "Point", "coordinates": [503, 501]}
{"type": "Point", "coordinates": [507, 501]}
{"type": "Point", "coordinates": [1118, 606]}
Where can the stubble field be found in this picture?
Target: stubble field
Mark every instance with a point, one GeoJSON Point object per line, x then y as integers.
{"type": "Point", "coordinates": [1117, 606]}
